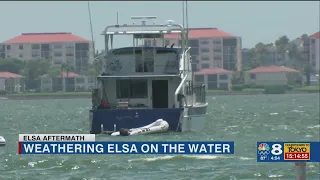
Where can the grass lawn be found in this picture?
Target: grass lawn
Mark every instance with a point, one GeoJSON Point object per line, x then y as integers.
{"type": "Point", "coordinates": [252, 90]}
{"type": "Point", "coordinates": [52, 94]}
{"type": "Point", "coordinates": [308, 88]}
{"type": "Point", "coordinates": [216, 91]}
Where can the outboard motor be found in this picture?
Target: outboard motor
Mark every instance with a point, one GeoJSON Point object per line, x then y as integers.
{"type": "Point", "coordinates": [124, 132]}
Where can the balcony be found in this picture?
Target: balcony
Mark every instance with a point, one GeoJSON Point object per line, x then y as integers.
{"type": "Point", "coordinates": [46, 54]}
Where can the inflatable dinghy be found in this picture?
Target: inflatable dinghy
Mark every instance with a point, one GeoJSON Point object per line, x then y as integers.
{"type": "Point", "coordinates": [2, 141]}
{"type": "Point", "coordinates": [158, 126]}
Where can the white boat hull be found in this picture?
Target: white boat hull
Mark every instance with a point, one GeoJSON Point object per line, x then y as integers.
{"type": "Point", "coordinates": [158, 126]}
{"type": "Point", "coordinates": [193, 123]}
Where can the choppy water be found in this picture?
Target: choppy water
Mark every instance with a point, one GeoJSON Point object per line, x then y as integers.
{"type": "Point", "coordinates": [243, 119]}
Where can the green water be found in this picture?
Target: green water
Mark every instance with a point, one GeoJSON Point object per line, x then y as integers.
{"type": "Point", "coordinates": [243, 119]}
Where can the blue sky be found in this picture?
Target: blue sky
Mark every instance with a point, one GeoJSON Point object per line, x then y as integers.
{"type": "Point", "coordinates": [253, 21]}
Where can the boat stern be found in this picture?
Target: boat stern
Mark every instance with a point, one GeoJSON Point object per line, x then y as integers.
{"type": "Point", "coordinates": [110, 120]}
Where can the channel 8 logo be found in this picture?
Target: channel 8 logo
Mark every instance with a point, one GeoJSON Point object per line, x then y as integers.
{"type": "Point", "coordinates": [276, 149]}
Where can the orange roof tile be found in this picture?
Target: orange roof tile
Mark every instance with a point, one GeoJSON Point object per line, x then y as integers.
{"type": "Point", "coordinates": [46, 38]}
{"type": "Point", "coordinates": [9, 75]}
{"type": "Point", "coordinates": [64, 74]}
{"type": "Point", "coordinates": [213, 71]}
{"type": "Point", "coordinates": [271, 69]}
{"type": "Point", "coordinates": [315, 35]}
{"type": "Point", "coordinates": [197, 33]}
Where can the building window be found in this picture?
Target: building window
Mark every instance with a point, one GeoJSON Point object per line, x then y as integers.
{"type": "Point", "coordinates": [2, 48]}
{"type": "Point", "coordinates": [212, 85]}
{"type": "Point", "coordinates": [194, 43]}
{"type": "Point", "coordinates": [20, 46]}
{"type": "Point", "coordinates": [8, 47]}
{"type": "Point", "coordinates": [205, 66]}
{"type": "Point", "coordinates": [223, 86]}
{"type": "Point", "coordinates": [199, 78]}
{"type": "Point", "coordinates": [205, 58]}
{"type": "Point", "coordinates": [217, 58]}
{"type": "Point", "coordinates": [205, 50]}
{"type": "Point", "coordinates": [223, 77]}
{"type": "Point", "coordinates": [57, 53]}
{"type": "Point", "coordinates": [82, 46]}
{"type": "Point", "coordinates": [194, 51]}
{"type": "Point", "coordinates": [217, 50]}
{"type": "Point", "coordinates": [194, 59]}
{"type": "Point", "coordinates": [69, 54]}
{"type": "Point", "coordinates": [20, 55]}
{"type": "Point", "coordinates": [252, 76]}
{"type": "Point", "coordinates": [132, 89]}
{"type": "Point", "coordinates": [212, 77]}
{"type": "Point", "coordinates": [35, 53]}
{"type": "Point", "coordinates": [2, 55]}
{"type": "Point", "coordinates": [79, 80]}
{"type": "Point", "coordinates": [216, 41]}
{"type": "Point", "coordinates": [194, 67]}
{"type": "Point", "coordinates": [69, 45]}
{"type": "Point", "coordinates": [204, 42]}
{"type": "Point", "coordinates": [35, 46]}
{"type": "Point", "coordinates": [46, 80]}
{"type": "Point", "coordinates": [57, 46]}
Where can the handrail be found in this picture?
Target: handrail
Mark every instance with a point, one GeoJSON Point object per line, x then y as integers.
{"type": "Point", "coordinates": [183, 64]}
{"type": "Point", "coordinates": [176, 102]}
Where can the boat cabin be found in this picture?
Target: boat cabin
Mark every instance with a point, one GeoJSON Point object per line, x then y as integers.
{"type": "Point", "coordinates": [143, 75]}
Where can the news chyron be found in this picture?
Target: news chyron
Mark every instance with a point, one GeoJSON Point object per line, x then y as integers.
{"type": "Point", "coordinates": [288, 151]}
{"type": "Point", "coordinates": [87, 144]}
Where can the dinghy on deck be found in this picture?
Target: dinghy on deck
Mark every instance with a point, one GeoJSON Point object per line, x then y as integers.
{"type": "Point", "coordinates": [2, 141]}
{"type": "Point", "coordinates": [158, 126]}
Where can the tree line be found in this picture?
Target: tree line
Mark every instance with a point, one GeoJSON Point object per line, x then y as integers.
{"type": "Point", "coordinates": [34, 68]}
{"type": "Point", "coordinates": [297, 58]}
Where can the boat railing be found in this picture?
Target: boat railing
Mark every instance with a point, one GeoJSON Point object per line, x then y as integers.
{"type": "Point", "coordinates": [200, 93]}
{"type": "Point", "coordinates": [176, 101]}
{"type": "Point", "coordinates": [95, 98]}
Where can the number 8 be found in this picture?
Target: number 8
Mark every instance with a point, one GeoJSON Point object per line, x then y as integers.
{"type": "Point", "coordinates": [276, 149]}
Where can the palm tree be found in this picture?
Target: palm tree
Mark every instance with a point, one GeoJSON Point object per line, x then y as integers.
{"type": "Point", "coordinates": [282, 43]}
{"type": "Point", "coordinates": [307, 72]}
{"type": "Point", "coordinates": [260, 51]}
{"type": "Point", "coordinates": [65, 68]}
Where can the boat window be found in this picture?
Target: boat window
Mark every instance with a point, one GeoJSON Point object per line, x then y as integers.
{"type": "Point", "coordinates": [132, 89]}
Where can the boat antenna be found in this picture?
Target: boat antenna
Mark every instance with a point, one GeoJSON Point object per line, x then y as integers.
{"type": "Point", "coordinates": [187, 24]}
{"type": "Point", "coordinates": [90, 20]}
{"type": "Point", "coordinates": [117, 18]}
{"type": "Point", "coordinates": [92, 41]}
{"type": "Point", "coordinates": [183, 13]}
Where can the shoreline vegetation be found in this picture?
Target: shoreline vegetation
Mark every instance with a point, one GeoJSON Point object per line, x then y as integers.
{"type": "Point", "coordinates": [236, 90]}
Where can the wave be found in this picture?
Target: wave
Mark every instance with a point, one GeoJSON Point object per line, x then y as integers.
{"type": "Point", "coordinates": [177, 157]}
